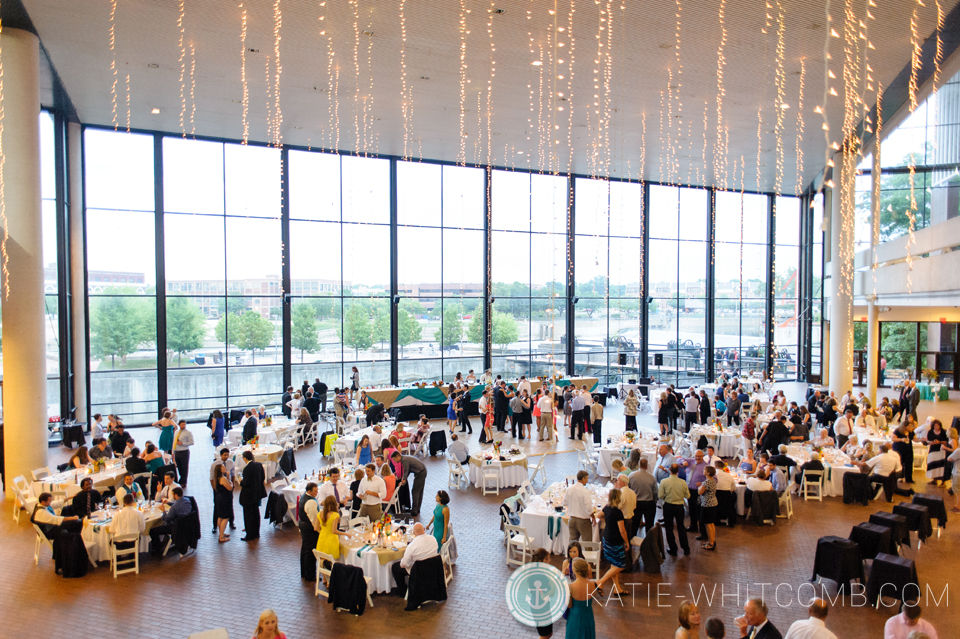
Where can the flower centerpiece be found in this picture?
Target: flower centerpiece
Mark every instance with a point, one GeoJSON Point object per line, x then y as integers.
{"type": "Point", "coordinates": [268, 421]}
{"type": "Point", "coordinates": [718, 425]}
{"type": "Point", "coordinates": [255, 442]}
{"type": "Point", "coordinates": [630, 436]}
{"type": "Point", "coordinates": [99, 465]}
{"type": "Point", "coordinates": [496, 447]}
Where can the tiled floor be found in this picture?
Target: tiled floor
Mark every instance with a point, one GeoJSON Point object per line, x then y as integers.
{"type": "Point", "coordinates": [229, 584]}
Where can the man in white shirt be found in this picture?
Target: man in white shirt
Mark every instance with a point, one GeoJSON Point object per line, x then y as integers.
{"type": "Point", "coordinates": [900, 626]}
{"type": "Point", "coordinates": [129, 520]}
{"type": "Point", "coordinates": [373, 491]}
{"type": "Point", "coordinates": [166, 491]}
{"type": "Point", "coordinates": [47, 519]}
{"type": "Point", "coordinates": [524, 384]}
{"type": "Point", "coordinates": [725, 480]}
{"type": "Point", "coordinates": [458, 450]}
{"type": "Point", "coordinates": [579, 504]}
{"type": "Point", "coordinates": [691, 406]}
{"type": "Point", "coordinates": [545, 421]}
{"type": "Point", "coordinates": [812, 627]}
{"type": "Point", "coordinates": [182, 441]}
{"type": "Point", "coordinates": [486, 378]}
{"type": "Point", "coordinates": [843, 427]}
{"type": "Point", "coordinates": [883, 470]}
{"type": "Point", "coordinates": [131, 487]}
{"type": "Point", "coordinates": [759, 483]}
{"type": "Point", "coordinates": [423, 546]}
{"type": "Point", "coordinates": [97, 430]}
{"type": "Point", "coordinates": [628, 501]}
{"type": "Point", "coordinates": [376, 438]}
{"type": "Point", "coordinates": [337, 488]}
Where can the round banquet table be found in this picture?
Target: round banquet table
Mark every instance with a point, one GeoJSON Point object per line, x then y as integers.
{"type": "Point", "coordinates": [609, 452]}
{"type": "Point", "coordinates": [727, 442]}
{"type": "Point", "coordinates": [68, 482]}
{"type": "Point", "coordinates": [513, 472]}
{"type": "Point", "coordinates": [268, 455]}
{"type": "Point", "coordinates": [97, 536]}
{"type": "Point", "coordinates": [267, 434]}
{"type": "Point", "coordinates": [549, 528]}
{"type": "Point", "coordinates": [375, 562]}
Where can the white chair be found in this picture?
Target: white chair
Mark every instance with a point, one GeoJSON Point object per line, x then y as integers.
{"type": "Point", "coordinates": [539, 469]}
{"type": "Point", "coordinates": [217, 633]}
{"type": "Point", "coordinates": [920, 458]}
{"type": "Point", "coordinates": [40, 473]}
{"type": "Point", "coordinates": [455, 473]}
{"type": "Point", "coordinates": [786, 505]}
{"type": "Point", "coordinates": [583, 462]}
{"type": "Point", "coordinates": [591, 552]}
{"type": "Point", "coordinates": [339, 453]}
{"type": "Point", "coordinates": [812, 485]}
{"type": "Point", "coordinates": [125, 556]}
{"type": "Point", "coordinates": [394, 502]}
{"type": "Point", "coordinates": [41, 541]}
{"type": "Point", "coordinates": [324, 573]}
{"type": "Point", "coordinates": [519, 545]}
{"type": "Point", "coordinates": [358, 522]}
{"type": "Point", "coordinates": [526, 490]}
{"type": "Point", "coordinates": [447, 566]}
{"type": "Point", "coordinates": [22, 498]}
{"type": "Point", "coordinates": [490, 473]}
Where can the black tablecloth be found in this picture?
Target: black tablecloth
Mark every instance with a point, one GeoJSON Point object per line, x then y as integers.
{"type": "Point", "coordinates": [873, 539]}
{"type": "Point", "coordinates": [918, 518]}
{"type": "Point", "coordinates": [837, 559]}
{"type": "Point", "coordinates": [934, 504]}
{"type": "Point", "coordinates": [73, 434]}
{"type": "Point", "coordinates": [892, 574]}
{"type": "Point", "coordinates": [899, 533]}
{"type": "Point", "coordinates": [856, 488]}
{"type": "Point", "coordinates": [612, 391]}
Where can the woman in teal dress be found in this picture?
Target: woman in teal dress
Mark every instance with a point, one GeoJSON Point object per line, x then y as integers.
{"type": "Point", "coordinates": [580, 623]}
{"type": "Point", "coordinates": [153, 458]}
{"type": "Point", "coordinates": [441, 518]}
{"type": "Point", "coordinates": [166, 426]}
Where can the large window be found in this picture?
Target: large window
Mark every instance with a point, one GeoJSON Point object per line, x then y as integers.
{"type": "Point", "coordinates": [816, 298]}
{"type": "Point", "coordinates": [528, 270]}
{"type": "Point", "coordinates": [51, 280]}
{"type": "Point", "coordinates": [609, 250]}
{"type": "Point", "coordinates": [678, 272]}
{"type": "Point", "coordinates": [121, 273]}
{"type": "Point", "coordinates": [740, 281]}
{"type": "Point", "coordinates": [786, 291]}
{"type": "Point", "coordinates": [439, 270]}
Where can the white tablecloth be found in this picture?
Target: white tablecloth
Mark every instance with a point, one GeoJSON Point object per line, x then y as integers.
{"type": "Point", "coordinates": [69, 481]}
{"type": "Point", "coordinates": [268, 455]}
{"type": "Point", "coordinates": [97, 537]}
{"type": "Point", "coordinates": [550, 529]}
{"type": "Point", "coordinates": [267, 434]}
{"type": "Point", "coordinates": [354, 438]}
{"type": "Point", "coordinates": [510, 476]}
{"type": "Point", "coordinates": [727, 443]}
{"type": "Point", "coordinates": [607, 454]}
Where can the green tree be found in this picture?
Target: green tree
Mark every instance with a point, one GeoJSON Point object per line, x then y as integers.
{"type": "Point", "coordinates": [235, 305]}
{"type": "Point", "coordinates": [248, 332]}
{"type": "Point", "coordinates": [414, 307]}
{"type": "Point", "coordinates": [118, 327]}
{"type": "Point", "coordinates": [185, 326]}
{"type": "Point", "coordinates": [895, 201]}
{"type": "Point", "coordinates": [408, 329]}
{"type": "Point", "coordinates": [381, 323]}
{"type": "Point", "coordinates": [475, 329]}
{"type": "Point", "coordinates": [323, 307]}
{"type": "Point", "coordinates": [356, 332]}
{"type": "Point", "coordinates": [451, 329]}
{"type": "Point", "coordinates": [505, 329]}
{"type": "Point", "coordinates": [303, 330]}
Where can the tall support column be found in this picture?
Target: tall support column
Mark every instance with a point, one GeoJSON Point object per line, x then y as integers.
{"type": "Point", "coordinates": [25, 365]}
{"type": "Point", "coordinates": [78, 280]}
{"type": "Point", "coordinates": [841, 281]}
{"type": "Point", "coordinates": [873, 315]}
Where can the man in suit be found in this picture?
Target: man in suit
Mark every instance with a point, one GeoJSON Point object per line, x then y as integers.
{"type": "Point", "coordinates": [781, 458]}
{"type": "Point", "coordinates": [814, 464]}
{"type": "Point", "coordinates": [320, 391]}
{"type": "Point", "coordinates": [775, 434]}
{"type": "Point", "coordinates": [87, 500]}
{"type": "Point", "coordinates": [754, 624]}
{"type": "Point", "coordinates": [252, 492]}
{"type": "Point", "coordinates": [307, 518]}
{"type": "Point", "coordinates": [500, 406]}
{"type": "Point", "coordinates": [410, 464]}
{"type": "Point", "coordinates": [119, 439]}
{"type": "Point", "coordinates": [286, 397]}
{"type": "Point", "coordinates": [914, 399]}
{"type": "Point", "coordinates": [312, 404]}
{"type": "Point", "coordinates": [249, 426]}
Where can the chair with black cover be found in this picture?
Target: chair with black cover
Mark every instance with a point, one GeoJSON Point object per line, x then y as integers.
{"type": "Point", "coordinates": [872, 539]}
{"type": "Point", "coordinates": [935, 506]}
{"type": "Point", "coordinates": [891, 576]}
{"type": "Point", "coordinates": [897, 524]}
{"type": "Point", "coordinates": [186, 531]}
{"type": "Point", "coordinates": [918, 519]}
{"type": "Point", "coordinates": [426, 583]}
{"type": "Point", "coordinates": [764, 507]}
{"type": "Point", "coordinates": [235, 417]}
{"type": "Point", "coordinates": [856, 488]}
{"type": "Point", "coordinates": [837, 559]}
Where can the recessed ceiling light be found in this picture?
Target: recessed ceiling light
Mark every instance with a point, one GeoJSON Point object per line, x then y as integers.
{"type": "Point", "coordinates": [155, 111]}
{"type": "Point", "coordinates": [536, 63]}
{"type": "Point", "coordinates": [367, 33]}
{"type": "Point", "coordinates": [153, 65]}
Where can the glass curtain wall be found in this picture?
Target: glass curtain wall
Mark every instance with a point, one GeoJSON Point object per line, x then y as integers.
{"type": "Point", "coordinates": [786, 293]}
{"type": "Point", "coordinates": [816, 307]}
{"type": "Point", "coordinates": [608, 250]}
{"type": "Point", "coordinates": [529, 273]}
{"type": "Point", "coordinates": [122, 273]}
{"type": "Point", "coordinates": [678, 272]}
{"type": "Point", "coordinates": [740, 282]}
{"type": "Point", "coordinates": [51, 280]}
{"type": "Point", "coordinates": [440, 271]}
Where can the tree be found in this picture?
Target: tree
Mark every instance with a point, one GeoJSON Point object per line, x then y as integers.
{"type": "Point", "coordinates": [303, 331]}
{"type": "Point", "coordinates": [185, 328]}
{"type": "Point", "coordinates": [323, 307]}
{"type": "Point", "coordinates": [409, 329]}
{"type": "Point", "coordinates": [414, 307]}
{"type": "Point", "coordinates": [475, 329]}
{"type": "Point", "coordinates": [356, 332]}
{"type": "Point", "coordinates": [235, 305]}
{"type": "Point", "coordinates": [451, 328]}
{"type": "Point", "coordinates": [504, 329]}
{"type": "Point", "coordinates": [118, 326]}
{"type": "Point", "coordinates": [895, 201]}
{"type": "Point", "coordinates": [381, 323]}
{"type": "Point", "coordinates": [248, 332]}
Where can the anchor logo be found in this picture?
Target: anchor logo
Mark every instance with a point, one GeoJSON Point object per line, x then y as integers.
{"type": "Point", "coordinates": [537, 589]}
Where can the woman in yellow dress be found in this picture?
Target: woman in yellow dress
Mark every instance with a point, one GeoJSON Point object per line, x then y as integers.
{"type": "Point", "coordinates": [329, 540]}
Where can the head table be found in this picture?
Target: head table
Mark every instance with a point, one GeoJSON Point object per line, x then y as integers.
{"type": "Point", "coordinates": [435, 395]}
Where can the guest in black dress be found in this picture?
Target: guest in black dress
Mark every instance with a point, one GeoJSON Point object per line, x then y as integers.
{"type": "Point", "coordinates": [903, 446]}
{"type": "Point", "coordinates": [223, 501]}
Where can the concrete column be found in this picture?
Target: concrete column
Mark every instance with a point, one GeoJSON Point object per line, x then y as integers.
{"type": "Point", "coordinates": [77, 284]}
{"type": "Point", "coordinates": [841, 285]}
{"type": "Point", "coordinates": [873, 349]}
{"type": "Point", "coordinates": [24, 348]}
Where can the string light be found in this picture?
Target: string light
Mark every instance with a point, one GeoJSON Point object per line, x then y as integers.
{"type": "Point", "coordinates": [183, 73]}
{"type": "Point", "coordinates": [4, 267]}
{"type": "Point", "coordinates": [270, 120]}
{"type": "Point", "coordinates": [113, 61]}
{"type": "Point", "coordinates": [404, 104]}
{"type": "Point", "coordinates": [759, 141]}
{"type": "Point", "coordinates": [243, 74]}
{"type": "Point", "coordinates": [720, 149]}
{"type": "Point", "coordinates": [875, 204]}
{"type": "Point", "coordinates": [822, 108]}
{"type": "Point", "coordinates": [128, 103]}
{"type": "Point", "coordinates": [781, 82]}
{"type": "Point", "coordinates": [462, 157]}
{"type": "Point", "coordinates": [278, 69]}
{"type": "Point", "coordinates": [193, 91]}
{"type": "Point", "coordinates": [915, 61]}
{"type": "Point", "coordinates": [799, 182]}
{"type": "Point", "coordinates": [356, 72]}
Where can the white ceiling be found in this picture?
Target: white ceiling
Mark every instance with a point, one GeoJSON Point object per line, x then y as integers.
{"type": "Point", "coordinates": [643, 53]}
